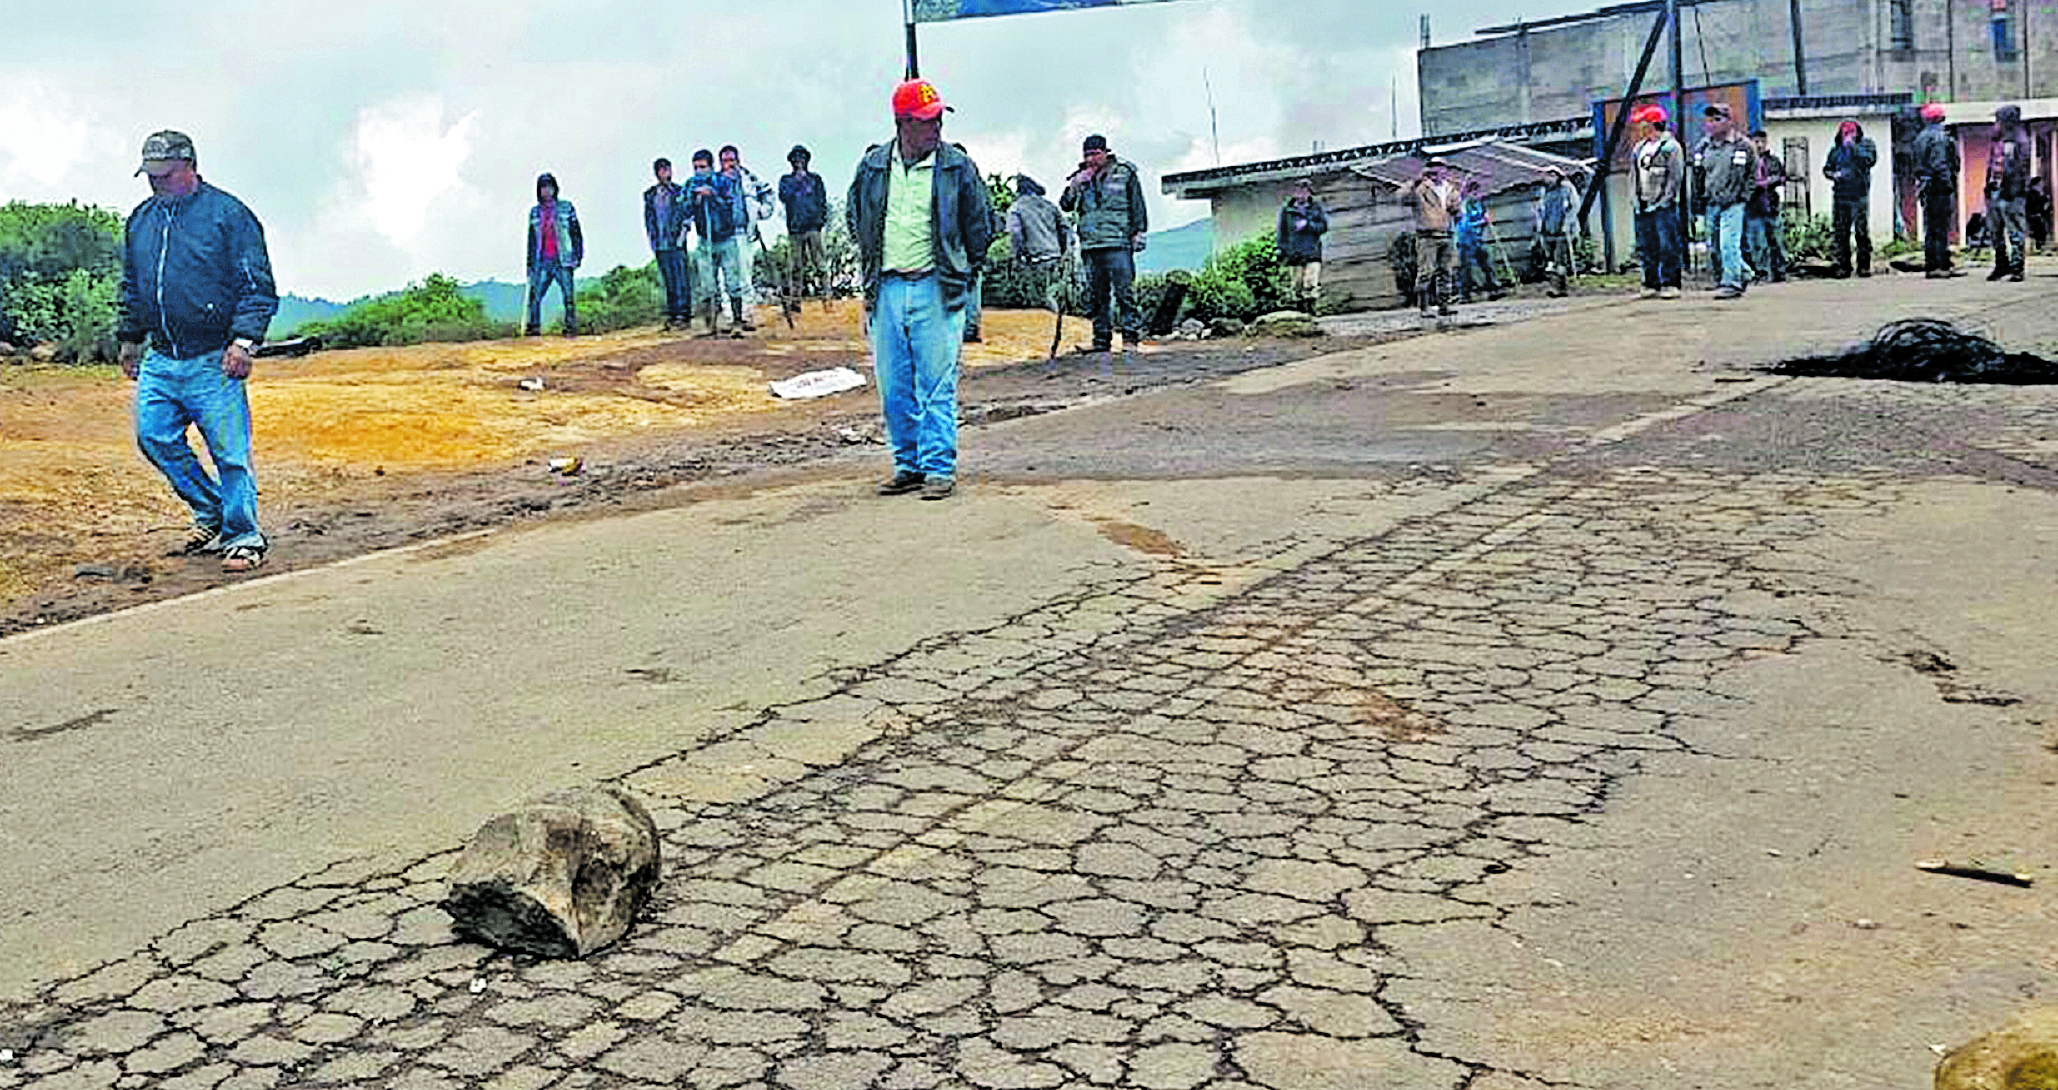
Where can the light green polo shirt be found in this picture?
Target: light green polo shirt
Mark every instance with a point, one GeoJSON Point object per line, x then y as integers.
{"type": "Point", "coordinates": [910, 194]}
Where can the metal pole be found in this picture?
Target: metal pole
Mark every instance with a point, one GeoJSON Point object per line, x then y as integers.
{"type": "Point", "coordinates": [1800, 53]}
{"type": "Point", "coordinates": [1615, 131]}
{"type": "Point", "coordinates": [1679, 114]}
{"type": "Point", "coordinates": [914, 61]}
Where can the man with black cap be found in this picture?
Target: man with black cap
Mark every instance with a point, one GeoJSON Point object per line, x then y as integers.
{"type": "Point", "coordinates": [1107, 196]}
{"type": "Point", "coordinates": [807, 212]}
{"type": "Point", "coordinates": [922, 219]}
{"type": "Point", "coordinates": [197, 284]}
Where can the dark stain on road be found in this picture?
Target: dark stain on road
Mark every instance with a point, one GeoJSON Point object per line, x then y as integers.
{"type": "Point", "coordinates": [90, 719]}
{"type": "Point", "coordinates": [1141, 538]}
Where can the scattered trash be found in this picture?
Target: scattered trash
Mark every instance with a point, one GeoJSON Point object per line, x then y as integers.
{"type": "Point", "coordinates": [1928, 350]}
{"type": "Point", "coordinates": [566, 467]}
{"type": "Point", "coordinates": [532, 385]}
{"type": "Point", "coordinates": [810, 384]}
{"type": "Point", "coordinates": [1940, 1049]}
{"type": "Point", "coordinates": [1977, 872]}
{"type": "Point", "coordinates": [478, 985]}
{"type": "Point", "coordinates": [1774, 853]}
{"type": "Point", "coordinates": [857, 435]}
{"type": "Point", "coordinates": [6, 1055]}
{"type": "Point", "coordinates": [1865, 925]}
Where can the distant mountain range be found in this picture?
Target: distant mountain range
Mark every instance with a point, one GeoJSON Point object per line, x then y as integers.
{"type": "Point", "coordinates": [1184, 247]}
{"type": "Point", "coordinates": [504, 303]}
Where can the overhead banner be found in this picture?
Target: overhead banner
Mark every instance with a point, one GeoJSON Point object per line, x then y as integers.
{"type": "Point", "coordinates": [942, 11]}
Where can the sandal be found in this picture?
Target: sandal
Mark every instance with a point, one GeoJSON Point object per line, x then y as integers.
{"type": "Point", "coordinates": [201, 541]}
{"type": "Point", "coordinates": [243, 558]}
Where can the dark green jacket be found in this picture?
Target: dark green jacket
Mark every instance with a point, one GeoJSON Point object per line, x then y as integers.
{"type": "Point", "coordinates": [1110, 208]}
{"type": "Point", "coordinates": [961, 213]}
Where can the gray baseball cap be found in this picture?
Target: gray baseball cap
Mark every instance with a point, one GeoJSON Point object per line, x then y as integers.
{"type": "Point", "coordinates": [167, 144]}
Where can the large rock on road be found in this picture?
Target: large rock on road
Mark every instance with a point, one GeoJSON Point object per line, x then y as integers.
{"type": "Point", "coordinates": [559, 877]}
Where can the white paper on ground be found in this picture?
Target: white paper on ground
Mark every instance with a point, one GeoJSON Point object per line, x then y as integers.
{"type": "Point", "coordinates": [835, 380]}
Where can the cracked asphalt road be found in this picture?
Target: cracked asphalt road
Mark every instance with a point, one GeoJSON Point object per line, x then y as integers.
{"type": "Point", "coordinates": [1491, 711]}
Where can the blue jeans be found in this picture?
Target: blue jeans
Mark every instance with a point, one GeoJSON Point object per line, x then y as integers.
{"type": "Point", "coordinates": [545, 274]}
{"type": "Point", "coordinates": [915, 341]}
{"type": "Point", "coordinates": [724, 258]}
{"type": "Point", "coordinates": [671, 264]}
{"type": "Point", "coordinates": [1657, 242]}
{"type": "Point", "coordinates": [1111, 295]}
{"type": "Point", "coordinates": [1765, 243]}
{"type": "Point", "coordinates": [1726, 238]}
{"type": "Point", "coordinates": [171, 394]}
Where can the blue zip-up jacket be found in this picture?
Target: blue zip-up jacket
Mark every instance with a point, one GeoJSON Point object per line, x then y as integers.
{"type": "Point", "coordinates": [806, 200]}
{"type": "Point", "coordinates": [715, 216]}
{"type": "Point", "coordinates": [195, 275]}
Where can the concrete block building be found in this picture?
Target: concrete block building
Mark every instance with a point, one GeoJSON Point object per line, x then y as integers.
{"type": "Point", "coordinates": [1938, 50]}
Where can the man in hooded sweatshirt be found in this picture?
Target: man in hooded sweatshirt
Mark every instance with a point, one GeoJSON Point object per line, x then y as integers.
{"type": "Point", "coordinates": [556, 246]}
{"type": "Point", "coordinates": [2008, 192]}
{"type": "Point", "coordinates": [1302, 223]}
{"type": "Point", "coordinates": [1936, 177]}
{"type": "Point", "coordinates": [1849, 170]}
{"type": "Point", "coordinates": [1039, 237]}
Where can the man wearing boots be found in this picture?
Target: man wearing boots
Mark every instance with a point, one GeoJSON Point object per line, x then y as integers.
{"type": "Point", "coordinates": [1849, 169]}
{"type": "Point", "coordinates": [711, 203]}
{"type": "Point", "coordinates": [1936, 177]}
{"type": "Point", "coordinates": [1764, 233]}
{"type": "Point", "coordinates": [1437, 201]}
{"type": "Point", "coordinates": [1302, 223]}
{"type": "Point", "coordinates": [922, 219]}
{"type": "Point", "coordinates": [1557, 217]}
{"type": "Point", "coordinates": [807, 212]}
{"type": "Point", "coordinates": [1108, 199]}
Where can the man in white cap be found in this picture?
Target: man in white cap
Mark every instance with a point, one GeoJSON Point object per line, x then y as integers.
{"type": "Point", "coordinates": [1436, 201]}
{"type": "Point", "coordinates": [196, 284]}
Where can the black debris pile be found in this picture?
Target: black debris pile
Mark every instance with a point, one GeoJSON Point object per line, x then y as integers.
{"type": "Point", "coordinates": [1928, 350]}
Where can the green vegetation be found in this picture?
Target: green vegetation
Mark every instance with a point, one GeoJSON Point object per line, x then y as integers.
{"type": "Point", "coordinates": [623, 299]}
{"type": "Point", "coordinates": [433, 310]}
{"type": "Point", "coordinates": [60, 278]}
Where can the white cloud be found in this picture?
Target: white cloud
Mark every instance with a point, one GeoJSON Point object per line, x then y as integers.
{"type": "Point", "coordinates": [45, 138]}
{"type": "Point", "coordinates": [409, 157]}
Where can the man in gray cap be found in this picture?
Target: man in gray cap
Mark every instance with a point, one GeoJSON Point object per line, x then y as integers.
{"type": "Point", "coordinates": [197, 285]}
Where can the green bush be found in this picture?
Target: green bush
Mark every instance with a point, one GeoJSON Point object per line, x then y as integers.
{"type": "Point", "coordinates": [1241, 282]}
{"type": "Point", "coordinates": [1808, 238]}
{"type": "Point", "coordinates": [60, 277]}
{"type": "Point", "coordinates": [433, 310]}
{"type": "Point", "coordinates": [623, 299]}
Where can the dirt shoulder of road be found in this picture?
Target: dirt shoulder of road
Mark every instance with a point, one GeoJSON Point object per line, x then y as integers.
{"type": "Point", "coordinates": [370, 449]}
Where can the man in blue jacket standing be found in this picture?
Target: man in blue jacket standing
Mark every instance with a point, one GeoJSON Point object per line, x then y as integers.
{"type": "Point", "coordinates": [711, 205]}
{"type": "Point", "coordinates": [807, 212]}
{"type": "Point", "coordinates": [922, 219]}
{"type": "Point", "coordinates": [556, 246]}
{"type": "Point", "coordinates": [664, 220]}
{"type": "Point", "coordinates": [197, 285]}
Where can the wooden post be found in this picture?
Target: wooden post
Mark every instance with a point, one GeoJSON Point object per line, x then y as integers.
{"type": "Point", "coordinates": [1800, 52]}
{"type": "Point", "coordinates": [914, 60]}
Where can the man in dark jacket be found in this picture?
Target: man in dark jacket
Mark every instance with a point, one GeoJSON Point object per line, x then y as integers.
{"type": "Point", "coordinates": [1107, 196]}
{"type": "Point", "coordinates": [1727, 164]}
{"type": "Point", "coordinates": [922, 219]}
{"type": "Point", "coordinates": [1764, 234]}
{"type": "Point", "coordinates": [2008, 192]}
{"type": "Point", "coordinates": [664, 220]}
{"type": "Point", "coordinates": [1302, 223]}
{"type": "Point", "coordinates": [1557, 219]}
{"type": "Point", "coordinates": [1849, 170]}
{"type": "Point", "coordinates": [806, 201]}
{"type": "Point", "coordinates": [1936, 177]}
{"type": "Point", "coordinates": [197, 284]}
{"type": "Point", "coordinates": [556, 246]}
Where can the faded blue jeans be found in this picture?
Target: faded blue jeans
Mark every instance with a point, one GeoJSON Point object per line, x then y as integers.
{"type": "Point", "coordinates": [722, 258]}
{"type": "Point", "coordinates": [546, 273]}
{"type": "Point", "coordinates": [915, 341]}
{"type": "Point", "coordinates": [171, 394]}
{"type": "Point", "coordinates": [1726, 238]}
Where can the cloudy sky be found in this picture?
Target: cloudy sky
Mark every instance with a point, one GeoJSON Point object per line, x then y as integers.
{"type": "Point", "coordinates": [381, 140]}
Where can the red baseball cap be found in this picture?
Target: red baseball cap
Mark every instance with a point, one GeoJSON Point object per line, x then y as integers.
{"type": "Point", "coordinates": [917, 98]}
{"type": "Point", "coordinates": [1933, 111]}
{"type": "Point", "coordinates": [1649, 113]}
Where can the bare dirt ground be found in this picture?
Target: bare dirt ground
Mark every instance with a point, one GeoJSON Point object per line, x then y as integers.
{"type": "Point", "coordinates": [372, 448]}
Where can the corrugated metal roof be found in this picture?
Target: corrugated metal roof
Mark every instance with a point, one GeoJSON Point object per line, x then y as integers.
{"type": "Point", "coordinates": [1497, 167]}
{"type": "Point", "coordinates": [1197, 181]}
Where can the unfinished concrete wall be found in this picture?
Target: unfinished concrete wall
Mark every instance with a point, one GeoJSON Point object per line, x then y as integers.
{"type": "Point", "coordinates": [1479, 84]}
{"type": "Point", "coordinates": [1951, 54]}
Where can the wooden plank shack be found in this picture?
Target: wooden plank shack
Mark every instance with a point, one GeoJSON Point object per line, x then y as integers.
{"type": "Point", "coordinates": [1366, 214]}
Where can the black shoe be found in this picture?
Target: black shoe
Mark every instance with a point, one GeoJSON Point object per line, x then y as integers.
{"type": "Point", "coordinates": [939, 488]}
{"type": "Point", "coordinates": [1997, 274]}
{"type": "Point", "coordinates": [972, 337]}
{"type": "Point", "coordinates": [2015, 278]}
{"type": "Point", "coordinates": [901, 483]}
{"type": "Point", "coordinates": [203, 541]}
{"type": "Point", "coordinates": [1864, 274]}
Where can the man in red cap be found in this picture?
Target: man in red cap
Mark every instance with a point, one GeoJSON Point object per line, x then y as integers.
{"type": "Point", "coordinates": [921, 216]}
{"type": "Point", "coordinates": [1936, 177]}
{"type": "Point", "coordinates": [1660, 174]}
